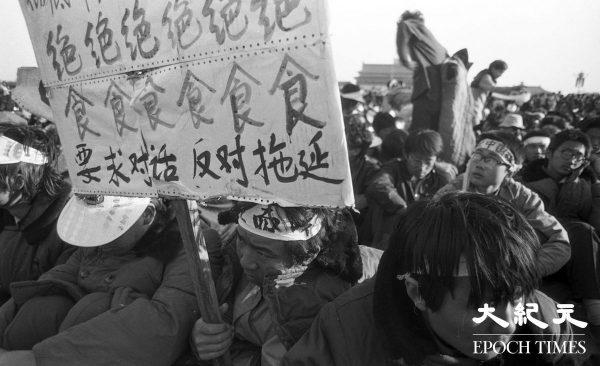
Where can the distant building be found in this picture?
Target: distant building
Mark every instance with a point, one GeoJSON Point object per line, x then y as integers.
{"type": "Point", "coordinates": [378, 75]}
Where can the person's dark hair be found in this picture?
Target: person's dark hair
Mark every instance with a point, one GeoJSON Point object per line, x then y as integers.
{"type": "Point", "coordinates": [496, 241]}
{"type": "Point", "coordinates": [498, 65]}
{"type": "Point", "coordinates": [392, 146]}
{"type": "Point", "coordinates": [536, 133]}
{"type": "Point", "coordinates": [589, 123]}
{"type": "Point", "coordinates": [408, 15]}
{"type": "Point", "coordinates": [426, 142]}
{"type": "Point", "coordinates": [488, 233]}
{"type": "Point", "coordinates": [383, 120]}
{"type": "Point", "coordinates": [554, 119]}
{"type": "Point", "coordinates": [36, 178]}
{"type": "Point", "coordinates": [358, 135]}
{"type": "Point", "coordinates": [571, 135]}
{"type": "Point", "coordinates": [163, 239]}
{"type": "Point", "coordinates": [514, 145]}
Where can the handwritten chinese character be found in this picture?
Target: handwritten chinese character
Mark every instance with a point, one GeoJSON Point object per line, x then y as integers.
{"type": "Point", "coordinates": [71, 61]}
{"type": "Point", "coordinates": [202, 164]}
{"type": "Point", "coordinates": [565, 311]}
{"type": "Point", "coordinates": [117, 99]}
{"type": "Point", "coordinates": [282, 165]}
{"type": "Point", "coordinates": [239, 93]}
{"type": "Point", "coordinates": [117, 175]}
{"type": "Point", "coordinates": [77, 103]}
{"type": "Point", "coordinates": [104, 35]}
{"type": "Point", "coordinates": [192, 90]}
{"type": "Point", "coordinates": [266, 220]}
{"type": "Point", "coordinates": [295, 93]}
{"type": "Point", "coordinates": [139, 163]}
{"type": "Point", "coordinates": [317, 161]}
{"type": "Point", "coordinates": [223, 155]}
{"type": "Point", "coordinates": [142, 33]}
{"type": "Point", "coordinates": [163, 160]}
{"type": "Point", "coordinates": [183, 23]}
{"type": "Point", "coordinates": [82, 158]}
{"type": "Point", "coordinates": [150, 100]}
{"type": "Point", "coordinates": [282, 9]}
{"type": "Point", "coordinates": [229, 15]}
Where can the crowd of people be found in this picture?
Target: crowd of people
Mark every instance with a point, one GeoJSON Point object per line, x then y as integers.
{"type": "Point", "coordinates": [402, 279]}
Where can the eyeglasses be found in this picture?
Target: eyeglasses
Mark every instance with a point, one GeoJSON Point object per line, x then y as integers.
{"type": "Point", "coordinates": [486, 159]}
{"type": "Point", "coordinates": [572, 155]}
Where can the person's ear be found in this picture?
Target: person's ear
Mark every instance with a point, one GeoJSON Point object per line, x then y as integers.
{"type": "Point", "coordinates": [18, 183]}
{"type": "Point", "coordinates": [412, 289]}
{"type": "Point", "coordinates": [149, 215]}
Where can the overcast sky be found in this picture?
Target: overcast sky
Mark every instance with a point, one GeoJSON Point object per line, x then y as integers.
{"type": "Point", "coordinates": [545, 42]}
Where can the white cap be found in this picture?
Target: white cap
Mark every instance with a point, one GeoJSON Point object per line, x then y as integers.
{"type": "Point", "coordinates": [92, 222]}
{"type": "Point", "coordinates": [513, 120]}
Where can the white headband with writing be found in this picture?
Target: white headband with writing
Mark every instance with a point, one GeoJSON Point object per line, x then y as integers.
{"type": "Point", "coordinates": [12, 152]}
{"type": "Point", "coordinates": [271, 222]}
{"type": "Point", "coordinates": [499, 149]}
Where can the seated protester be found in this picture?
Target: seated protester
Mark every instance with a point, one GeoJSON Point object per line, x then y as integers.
{"type": "Point", "coordinates": [591, 127]}
{"type": "Point", "coordinates": [32, 194]}
{"type": "Point", "coordinates": [512, 123]}
{"type": "Point", "coordinates": [125, 297]}
{"type": "Point", "coordinates": [393, 146]}
{"type": "Point", "coordinates": [420, 308]}
{"type": "Point", "coordinates": [496, 158]}
{"type": "Point", "coordinates": [536, 144]}
{"type": "Point", "coordinates": [401, 182]}
{"type": "Point", "coordinates": [383, 124]}
{"type": "Point", "coordinates": [362, 167]}
{"type": "Point", "coordinates": [571, 192]}
{"type": "Point", "coordinates": [290, 262]}
{"type": "Point", "coordinates": [553, 124]}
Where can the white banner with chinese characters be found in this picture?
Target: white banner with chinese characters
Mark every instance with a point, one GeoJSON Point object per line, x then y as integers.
{"type": "Point", "coordinates": [195, 98]}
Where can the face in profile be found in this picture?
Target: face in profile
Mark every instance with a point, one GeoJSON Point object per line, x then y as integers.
{"type": "Point", "coordinates": [496, 73]}
{"type": "Point", "coordinates": [568, 157]}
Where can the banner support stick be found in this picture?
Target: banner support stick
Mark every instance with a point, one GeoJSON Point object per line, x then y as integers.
{"type": "Point", "coordinates": [200, 273]}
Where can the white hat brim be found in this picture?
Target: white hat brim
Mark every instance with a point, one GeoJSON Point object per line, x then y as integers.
{"type": "Point", "coordinates": [92, 225]}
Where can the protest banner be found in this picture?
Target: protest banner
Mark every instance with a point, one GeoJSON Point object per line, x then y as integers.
{"type": "Point", "coordinates": [195, 99]}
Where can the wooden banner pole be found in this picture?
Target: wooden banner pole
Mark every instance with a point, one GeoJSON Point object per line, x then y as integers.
{"type": "Point", "coordinates": [197, 254]}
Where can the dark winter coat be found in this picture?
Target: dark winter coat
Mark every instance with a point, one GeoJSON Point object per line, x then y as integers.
{"type": "Point", "coordinates": [32, 246]}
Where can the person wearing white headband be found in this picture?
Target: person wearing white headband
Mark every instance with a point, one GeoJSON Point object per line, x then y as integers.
{"type": "Point", "coordinates": [424, 305]}
{"type": "Point", "coordinates": [496, 159]}
{"type": "Point", "coordinates": [32, 195]}
{"type": "Point", "coordinates": [536, 144]}
{"type": "Point", "coordinates": [293, 260]}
